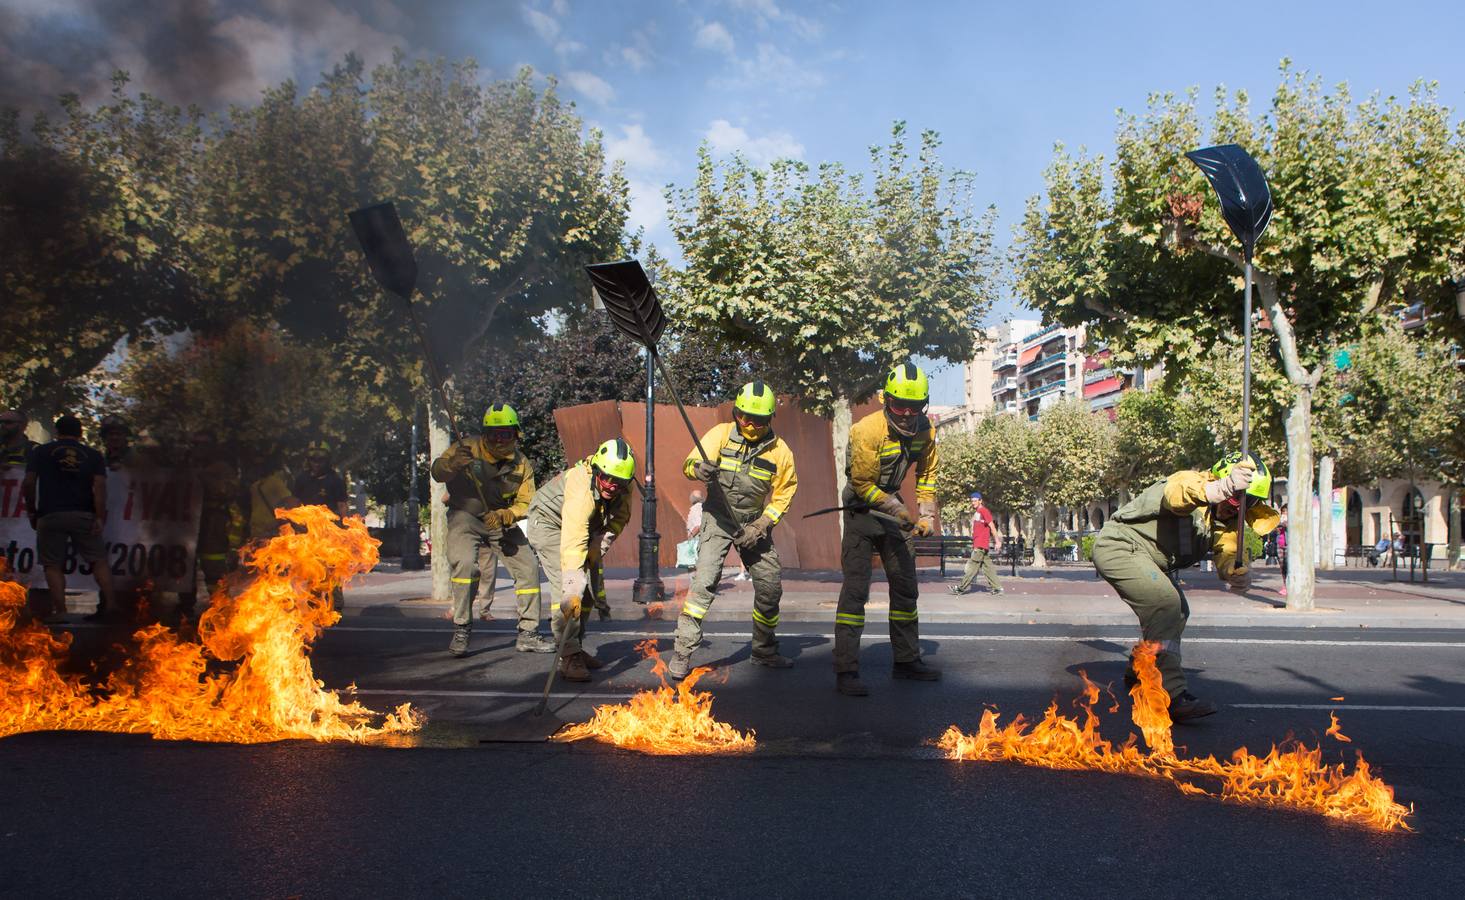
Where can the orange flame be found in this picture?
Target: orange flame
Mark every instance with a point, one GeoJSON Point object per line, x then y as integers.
{"type": "Point", "coordinates": [166, 689]}
{"type": "Point", "coordinates": [665, 721]}
{"type": "Point", "coordinates": [1293, 777]}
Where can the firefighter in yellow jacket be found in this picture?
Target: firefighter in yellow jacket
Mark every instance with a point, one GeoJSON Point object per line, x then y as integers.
{"type": "Point", "coordinates": [750, 478]}
{"type": "Point", "coordinates": [572, 523]}
{"type": "Point", "coordinates": [1170, 525]}
{"type": "Point", "coordinates": [490, 484]}
{"type": "Point", "coordinates": [883, 447]}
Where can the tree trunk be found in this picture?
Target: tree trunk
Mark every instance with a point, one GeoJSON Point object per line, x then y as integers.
{"type": "Point", "coordinates": [1325, 511]}
{"type": "Point", "coordinates": [439, 438]}
{"type": "Point", "coordinates": [1040, 534]}
{"type": "Point", "coordinates": [1301, 545]}
{"type": "Point", "coordinates": [839, 435]}
{"type": "Point", "coordinates": [1452, 527]}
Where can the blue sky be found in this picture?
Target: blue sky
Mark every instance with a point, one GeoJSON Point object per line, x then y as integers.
{"type": "Point", "coordinates": [816, 80]}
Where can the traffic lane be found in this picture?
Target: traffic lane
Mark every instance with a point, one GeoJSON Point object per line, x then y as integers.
{"type": "Point", "coordinates": [796, 712]}
{"type": "Point", "coordinates": [104, 815]}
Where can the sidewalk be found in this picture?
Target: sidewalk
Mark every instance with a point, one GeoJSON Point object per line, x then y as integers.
{"type": "Point", "coordinates": [1345, 598]}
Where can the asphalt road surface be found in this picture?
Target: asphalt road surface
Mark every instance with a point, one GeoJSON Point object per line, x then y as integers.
{"type": "Point", "coordinates": [844, 796]}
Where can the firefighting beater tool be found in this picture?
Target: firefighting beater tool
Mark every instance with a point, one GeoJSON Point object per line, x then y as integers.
{"type": "Point", "coordinates": [627, 295]}
{"type": "Point", "coordinates": [1246, 205]}
{"type": "Point", "coordinates": [389, 253]}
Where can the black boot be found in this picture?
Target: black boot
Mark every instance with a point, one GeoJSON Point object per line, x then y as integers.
{"type": "Point", "coordinates": [459, 645]}
{"type": "Point", "coordinates": [915, 670]}
{"type": "Point", "coordinates": [1185, 707]}
{"type": "Point", "coordinates": [849, 684]}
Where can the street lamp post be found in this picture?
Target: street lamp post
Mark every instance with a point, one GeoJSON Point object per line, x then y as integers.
{"type": "Point", "coordinates": [648, 585]}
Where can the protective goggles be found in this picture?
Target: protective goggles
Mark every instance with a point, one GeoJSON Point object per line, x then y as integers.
{"type": "Point", "coordinates": [609, 484]}
{"type": "Point", "coordinates": [751, 419]}
{"type": "Point", "coordinates": [500, 434]}
{"type": "Point", "coordinates": [905, 408]}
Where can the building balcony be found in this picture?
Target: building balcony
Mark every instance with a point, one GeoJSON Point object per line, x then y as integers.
{"type": "Point", "coordinates": [1094, 375]}
{"type": "Point", "coordinates": [1004, 385]}
{"type": "Point", "coordinates": [1038, 365]}
{"type": "Point", "coordinates": [1041, 333]}
{"type": "Point", "coordinates": [1004, 362]}
{"type": "Point", "coordinates": [1047, 388]}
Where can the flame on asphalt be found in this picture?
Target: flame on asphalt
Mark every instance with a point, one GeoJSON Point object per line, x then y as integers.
{"type": "Point", "coordinates": [1292, 776]}
{"type": "Point", "coordinates": [665, 721]}
{"type": "Point", "coordinates": [261, 687]}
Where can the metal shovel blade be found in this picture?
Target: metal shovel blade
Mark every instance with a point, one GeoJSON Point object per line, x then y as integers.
{"type": "Point", "coordinates": [524, 728]}
{"type": "Point", "coordinates": [625, 291]}
{"type": "Point", "coordinates": [386, 247]}
{"type": "Point", "coordinates": [1237, 179]}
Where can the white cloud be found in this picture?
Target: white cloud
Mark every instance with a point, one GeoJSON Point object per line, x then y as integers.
{"type": "Point", "coordinates": [715, 36]}
{"type": "Point", "coordinates": [545, 25]}
{"type": "Point", "coordinates": [634, 58]}
{"type": "Point", "coordinates": [648, 205]}
{"type": "Point", "coordinates": [727, 138]}
{"type": "Point", "coordinates": [592, 86]}
{"type": "Point", "coordinates": [568, 48]}
{"type": "Point", "coordinates": [768, 12]}
{"type": "Point", "coordinates": [560, 8]}
{"type": "Point", "coordinates": [771, 68]}
{"type": "Point", "coordinates": [636, 149]}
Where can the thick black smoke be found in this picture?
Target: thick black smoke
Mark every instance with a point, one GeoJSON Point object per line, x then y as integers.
{"type": "Point", "coordinates": [213, 52]}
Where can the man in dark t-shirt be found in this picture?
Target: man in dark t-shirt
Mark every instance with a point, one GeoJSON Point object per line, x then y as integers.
{"type": "Point", "coordinates": [319, 483]}
{"type": "Point", "coordinates": [65, 491]}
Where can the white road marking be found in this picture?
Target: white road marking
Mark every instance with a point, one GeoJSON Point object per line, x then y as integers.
{"type": "Point", "coordinates": [1348, 707]}
{"type": "Point", "coordinates": [527, 695]}
{"type": "Point", "coordinates": [1014, 638]}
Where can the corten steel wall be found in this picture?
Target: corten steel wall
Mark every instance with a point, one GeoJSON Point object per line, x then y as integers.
{"type": "Point", "coordinates": [803, 544]}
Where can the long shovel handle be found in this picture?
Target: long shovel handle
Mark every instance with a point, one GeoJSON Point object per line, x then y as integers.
{"type": "Point", "coordinates": [554, 664]}
{"type": "Point", "coordinates": [692, 431]}
{"type": "Point", "coordinates": [1245, 412]}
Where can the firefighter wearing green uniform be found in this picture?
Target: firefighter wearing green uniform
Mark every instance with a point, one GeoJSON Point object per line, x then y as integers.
{"type": "Point", "coordinates": [490, 484]}
{"type": "Point", "coordinates": [1170, 525]}
{"type": "Point", "coordinates": [750, 470]}
{"type": "Point", "coordinates": [883, 447]}
{"type": "Point", "coordinates": [572, 523]}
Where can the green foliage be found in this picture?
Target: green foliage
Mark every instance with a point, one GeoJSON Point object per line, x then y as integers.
{"type": "Point", "coordinates": [1062, 460]}
{"type": "Point", "coordinates": [830, 281]}
{"type": "Point", "coordinates": [1086, 547]}
{"type": "Point", "coordinates": [1404, 420]}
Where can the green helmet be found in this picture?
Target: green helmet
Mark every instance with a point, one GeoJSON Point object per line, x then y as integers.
{"type": "Point", "coordinates": [1261, 482]}
{"type": "Point", "coordinates": [614, 458]}
{"type": "Point", "coordinates": [501, 415]}
{"type": "Point", "coordinates": [907, 382]}
{"type": "Point", "coordinates": [756, 399]}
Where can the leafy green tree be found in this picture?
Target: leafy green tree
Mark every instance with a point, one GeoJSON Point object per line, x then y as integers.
{"type": "Point", "coordinates": [1137, 250]}
{"type": "Point", "coordinates": [1023, 468]}
{"type": "Point", "coordinates": [830, 278]}
{"type": "Point", "coordinates": [1071, 457]}
{"type": "Point", "coordinates": [95, 219]}
{"type": "Point", "coordinates": [1160, 431]}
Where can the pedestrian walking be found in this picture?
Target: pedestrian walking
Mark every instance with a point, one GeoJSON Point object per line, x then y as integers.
{"type": "Point", "coordinates": [883, 447]}
{"type": "Point", "coordinates": [687, 549]}
{"type": "Point", "coordinates": [573, 521]}
{"type": "Point", "coordinates": [65, 491]}
{"type": "Point", "coordinates": [320, 484]}
{"type": "Point", "coordinates": [1170, 525]}
{"type": "Point", "coordinates": [984, 544]}
{"type": "Point", "coordinates": [751, 470]}
{"type": "Point", "coordinates": [15, 447]}
{"type": "Point", "coordinates": [490, 485]}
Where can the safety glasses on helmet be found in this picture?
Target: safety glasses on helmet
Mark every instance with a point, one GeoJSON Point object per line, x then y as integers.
{"type": "Point", "coordinates": [609, 485]}
{"type": "Point", "coordinates": [745, 418]}
{"type": "Point", "coordinates": [905, 408]}
{"type": "Point", "coordinates": [500, 435]}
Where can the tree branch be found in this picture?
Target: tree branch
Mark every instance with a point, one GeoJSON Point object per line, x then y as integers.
{"type": "Point", "coordinates": [530, 270]}
{"type": "Point", "coordinates": [1103, 309]}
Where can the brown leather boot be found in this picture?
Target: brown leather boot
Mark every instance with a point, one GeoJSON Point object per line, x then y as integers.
{"type": "Point", "coordinates": [591, 662]}
{"type": "Point", "coordinates": [572, 668]}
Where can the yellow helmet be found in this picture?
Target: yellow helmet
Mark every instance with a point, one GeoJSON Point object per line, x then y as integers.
{"type": "Point", "coordinates": [907, 382]}
{"type": "Point", "coordinates": [318, 448]}
{"type": "Point", "coordinates": [614, 458]}
{"type": "Point", "coordinates": [501, 415]}
{"type": "Point", "coordinates": [756, 399]}
{"type": "Point", "coordinates": [1261, 482]}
